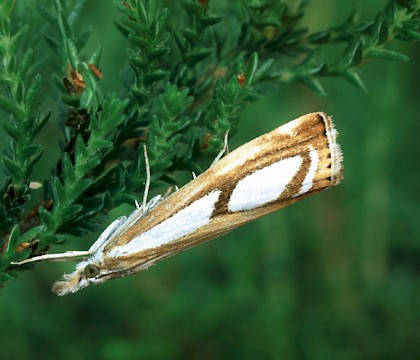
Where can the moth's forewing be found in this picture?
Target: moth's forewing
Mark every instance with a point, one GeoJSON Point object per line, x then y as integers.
{"type": "Point", "coordinates": [296, 142]}
{"type": "Point", "coordinates": [274, 170]}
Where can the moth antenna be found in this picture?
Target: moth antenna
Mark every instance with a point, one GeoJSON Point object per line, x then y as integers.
{"type": "Point", "coordinates": [146, 189]}
{"type": "Point", "coordinates": [138, 206]}
{"type": "Point", "coordinates": [168, 192]}
{"type": "Point", "coordinates": [66, 256]}
{"type": "Point", "coordinates": [224, 150]}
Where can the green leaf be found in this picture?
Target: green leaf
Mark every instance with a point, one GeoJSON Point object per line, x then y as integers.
{"type": "Point", "coordinates": [70, 212]}
{"type": "Point", "coordinates": [191, 35]}
{"type": "Point", "coordinates": [152, 10]}
{"type": "Point", "coordinates": [12, 109]}
{"type": "Point", "coordinates": [53, 43]}
{"type": "Point", "coordinates": [353, 54]}
{"type": "Point", "coordinates": [96, 56]}
{"type": "Point", "coordinates": [46, 218]}
{"type": "Point", "coordinates": [320, 37]}
{"type": "Point", "coordinates": [65, 29]}
{"type": "Point", "coordinates": [158, 52]}
{"type": "Point", "coordinates": [99, 144]}
{"type": "Point", "coordinates": [315, 85]}
{"type": "Point", "coordinates": [387, 54]}
{"type": "Point", "coordinates": [69, 175]}
{"type": "Point", "coordinates": [42, 120]}
{"type": "Point", "coordinates": [13, 167]}
{"type": "Point", "coordinates": [379, 32]}
{"type": "Point", "coordinates": [257, 4]}
{"type": "Point", "coordinates": [26, 62]}
{"type": "Point", "coordinates": [252, 98]}
{"type": "Point", "coordinates": [112, 112]}
{"type": "Point", "coordinates": [155, 76]}
{"type": "Point", "coordinates": [140, 41]}
{"type": "Point", "coordinates": [210, 20]}
{"type": "Point", "coordinates": [88, 100]}
{"type": "Point", "coordinates": [161, 164]}
{"type": "Point", "coordinates": [408, 34]}
{"type": "Point", "coordinates": [84, 166]}
{"type": "Point", "coordinates": [32, 92]}
{"type": "Point", "coordinates": [18, 38]}
{"type": "Point", "coordinates": [81, 151]}
{"type": "Point", "coordinates": [32, 152]}
{"type": "Point", "coordinates": [162, 18]}
{"type": "Point", "coordinates": [48, 238]}
{"type": "Point", "coordinates": [192, 7]}
{"type": "Point", "coordinates": [140, 95]}
{"type": "Point", "coordinates": [76, 12]}
{"type": "Point", "coordinates": [122, 8]}
{"type": "Point", "coordinates": [6, 80]}
{"type": "Point", "coordinates": [46, 12]}
{"type": "Point", "coordinates": [263, 69]}
{"type": "Point", "coordinates": [72, 54]}
{"type": "Point", "coordinates": [13, 239]}
{"type": "Point", "coordinates": [59, 194]}
{"type": "Point", "coordinates": [31, 234]}
{"type": "Point", "coordinates": [173, 102]}
{"type": "Point", "coordinates": [83, 37]}
{"type": "Point", "coordinates": [12, 131]}
{"type": "Point", "coordinates": [411, 5]}
{"type": "Point", "coordinates": [353, 78]}
{"type": "Point", "coordinates": [199, 55]}
{"type": "Point", "coordinates": [251, 68]}
{"type": "Point", "coordinates": [139, 62]}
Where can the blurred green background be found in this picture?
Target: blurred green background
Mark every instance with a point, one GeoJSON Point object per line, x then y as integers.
{"type": "Point", "coordinates": [333, 277]}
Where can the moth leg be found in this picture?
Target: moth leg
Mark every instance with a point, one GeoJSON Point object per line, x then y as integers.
{"type": "Point", "coordinates": [147, 186]}
{"type": "Point", "coordinates": [138, 206]}
{"type": "Point", "coordinates": [171, 189]}
{"type": "Point", "coordinates": [224, 150]}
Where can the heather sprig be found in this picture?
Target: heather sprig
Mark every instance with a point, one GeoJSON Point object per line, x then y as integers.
{"type": "Point", "coordinates": [186, 81]}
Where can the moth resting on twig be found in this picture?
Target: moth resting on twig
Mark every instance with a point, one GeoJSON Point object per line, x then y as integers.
{"type": "Point", "coordinates": [274, 170]}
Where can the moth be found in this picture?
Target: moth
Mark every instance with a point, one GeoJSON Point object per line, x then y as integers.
{"type": "Point", "coordinates": [272, 171]}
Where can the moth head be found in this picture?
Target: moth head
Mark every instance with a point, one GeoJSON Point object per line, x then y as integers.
{"type": "Point", "coordinates": [93, 270]}
{"type": "Point", "coordinates": [86, 273]}
{"type": "Point", "coordinates": [90, 271]}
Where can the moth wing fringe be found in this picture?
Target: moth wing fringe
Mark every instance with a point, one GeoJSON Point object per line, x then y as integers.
{"type": "Point", "coordinates": [336, 153]}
